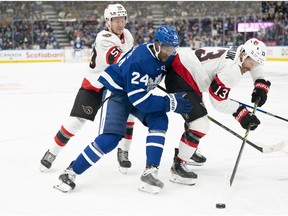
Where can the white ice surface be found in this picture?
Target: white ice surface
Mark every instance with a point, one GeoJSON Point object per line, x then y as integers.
{"type": "Point", "coordinates": [35, 99]}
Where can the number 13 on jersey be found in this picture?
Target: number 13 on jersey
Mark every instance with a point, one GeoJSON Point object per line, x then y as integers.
{"type": "Point", "coordinates": [218, 90]}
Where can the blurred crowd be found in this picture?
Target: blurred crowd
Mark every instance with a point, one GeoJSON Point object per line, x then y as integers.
{"type": "Point", "coordinates": [24, 25]}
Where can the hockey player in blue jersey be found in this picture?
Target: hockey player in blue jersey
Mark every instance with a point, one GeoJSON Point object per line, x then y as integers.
{"type": "Point", "coordinates": [129, 84]}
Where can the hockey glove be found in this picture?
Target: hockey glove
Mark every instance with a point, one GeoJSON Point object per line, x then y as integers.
{"type": "Point", "coordinates": [246, 118]}
{"type": "Point", "coordinates": [177, 103]}
{"type": "Point", "coordinates": [261, 88]}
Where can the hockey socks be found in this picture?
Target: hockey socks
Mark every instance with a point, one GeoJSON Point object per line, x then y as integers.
{"type": "Point", "coordinates": [87, 158]}
{"type": "Point", "coordinates": [103, 144]}
{"type": "Point", "coordinates": [154, 147]}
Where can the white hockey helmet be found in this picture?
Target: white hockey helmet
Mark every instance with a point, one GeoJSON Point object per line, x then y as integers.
{"type": "Point", "coordinates": [255, 49]}
{"type": "Point", "coordinates": [114, 10]}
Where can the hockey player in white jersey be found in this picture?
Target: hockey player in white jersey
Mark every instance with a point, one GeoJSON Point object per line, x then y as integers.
{"type": "Point", "coordinates": [109, 46]}
{"type": "Point", "coordinates": [216, 71]}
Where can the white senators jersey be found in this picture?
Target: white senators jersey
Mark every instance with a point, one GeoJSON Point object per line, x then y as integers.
{"type": "Point", "coordinates": [108, 49]}
{"type": "Point", "coordinates": [216, 73]}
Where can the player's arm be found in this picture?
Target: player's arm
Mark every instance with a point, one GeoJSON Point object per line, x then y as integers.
{"type": "Point", "coordinates": [219, 97]}
{"type": "Point", "coordinates": [111, 49]}
{"type": "Point", "coordinates": [219, 93]}
{"type": "Point", "coordinates": [142, 98]}
{"type": "Point", "coordinates": [107, 48]}
{"type": "Point", "coordinates": [261, 86]}
{"type": "Point", "coordinates": [113, 54]}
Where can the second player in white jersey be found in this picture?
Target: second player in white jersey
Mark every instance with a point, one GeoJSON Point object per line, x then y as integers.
{"type": "Point", "coordinates": [216, 71]}
{"type": "Point", "coordinates": [109, 45]}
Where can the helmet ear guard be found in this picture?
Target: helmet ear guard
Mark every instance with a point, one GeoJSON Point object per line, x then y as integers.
{"type": "Point", "coordinates": [255, 49]}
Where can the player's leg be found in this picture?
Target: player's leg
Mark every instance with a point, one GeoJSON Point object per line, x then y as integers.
{"type": "Point", "coordinates": [86, 105]}
{"type": "Point", "coordinates": [176, 83]}
{"type": "Point", "coordinates": [188, 146]}
{"type": "Point", "coordinates": [199, 111]}
{"type": "Point", "coordinates": [196, 128]}
{"type": "Point", "coordinates": [124, 146]}
{"type": "Point", "coordinates": [157, 126]}
{"type": "Point", "coordinates": [114, 114]}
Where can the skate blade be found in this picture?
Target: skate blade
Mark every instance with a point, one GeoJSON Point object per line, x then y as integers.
{"type": "Point", "coordinates": [42, 168]}
{"type": "Point", "coordinates": [144, 187]}
{"type": "Point", "coordinates": [63, 187]}
{"type": "Point", "coordinates": [193, 163]}
{"type": "Point", "coordinates": [185, 181]}
{"type": "Point", "coordinates": [123, 170]}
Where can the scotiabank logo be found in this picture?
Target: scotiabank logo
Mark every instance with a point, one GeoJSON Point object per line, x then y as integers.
{"type": "Point", "coordinates": [37, 55]}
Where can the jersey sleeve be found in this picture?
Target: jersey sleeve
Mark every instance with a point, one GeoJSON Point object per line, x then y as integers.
{"type": "Point", "coordinates": [107, 50]}
{"type": "Point", "coordinates": [113, 47]}
{"type": "Point", "coordinates": [219, 89]}
{"type": "Point", "coordinates": [113, 54]}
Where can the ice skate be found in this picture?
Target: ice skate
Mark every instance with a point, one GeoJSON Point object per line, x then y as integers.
{"type": "Point", "coordinates": [123, 160]}
{"type": "Point", "coordinates": [181, 174]}
{"type": "Point", "coordinates": [197, 159]}
{"type": "Point", "coordinates": [149, 180]}
{"type": "Point", "coordinates": [46, 161]}
{"type": "Point", "coordinates": [67, 180]}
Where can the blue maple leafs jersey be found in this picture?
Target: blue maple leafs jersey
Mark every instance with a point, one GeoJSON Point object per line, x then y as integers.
{"type": "Point", "coordinates": [136, 74]}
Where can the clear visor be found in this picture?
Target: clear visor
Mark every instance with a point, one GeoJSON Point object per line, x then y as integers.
{"type": "Point", "coordinates": [169, 50]}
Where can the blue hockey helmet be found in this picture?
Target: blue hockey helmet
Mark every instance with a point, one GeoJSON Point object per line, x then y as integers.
{"type": "Point", "coordinates": [167, 35]}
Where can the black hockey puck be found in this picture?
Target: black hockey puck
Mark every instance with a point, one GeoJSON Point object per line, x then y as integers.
{"type": "Point", "coordinates": [220, 205]}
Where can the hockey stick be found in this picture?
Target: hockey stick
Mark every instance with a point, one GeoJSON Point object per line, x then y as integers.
{"type": "Point", "coordinates": [162, 88]}
{"type": "Point", "coordinates": [268, 113]}
{"type": "Point", "coordinates": [242, 146]}
{"type": "Point", "coordinates": [263, 149]}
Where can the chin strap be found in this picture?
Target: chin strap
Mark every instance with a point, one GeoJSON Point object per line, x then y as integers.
{"type": "Point", "coordinates": [157, 52]}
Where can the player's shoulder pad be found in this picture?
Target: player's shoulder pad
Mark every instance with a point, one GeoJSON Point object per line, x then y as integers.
{"type": "Point", "coordinates": [105, 35]}
{"type": "Point", "coordinates": [128, 37]}
{"type": "Point", "coordinates": [127, 33]}
{"type": "Point", "coordinates": [188, 58]}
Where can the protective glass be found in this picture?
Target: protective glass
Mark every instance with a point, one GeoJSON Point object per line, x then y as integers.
{"type": "Point", "coordinates": [169, 50]}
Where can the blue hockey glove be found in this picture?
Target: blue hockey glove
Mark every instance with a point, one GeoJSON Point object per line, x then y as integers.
{"type": "Point", "coordinates": [246, 118]}
{"type": "Point", "coordinates": [261, 88]}
{"type": "Point", "coordinates": [177, 103]}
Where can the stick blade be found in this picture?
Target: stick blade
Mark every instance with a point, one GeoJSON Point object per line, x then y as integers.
{"type": "Point", "coordinates": [276, 147]}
